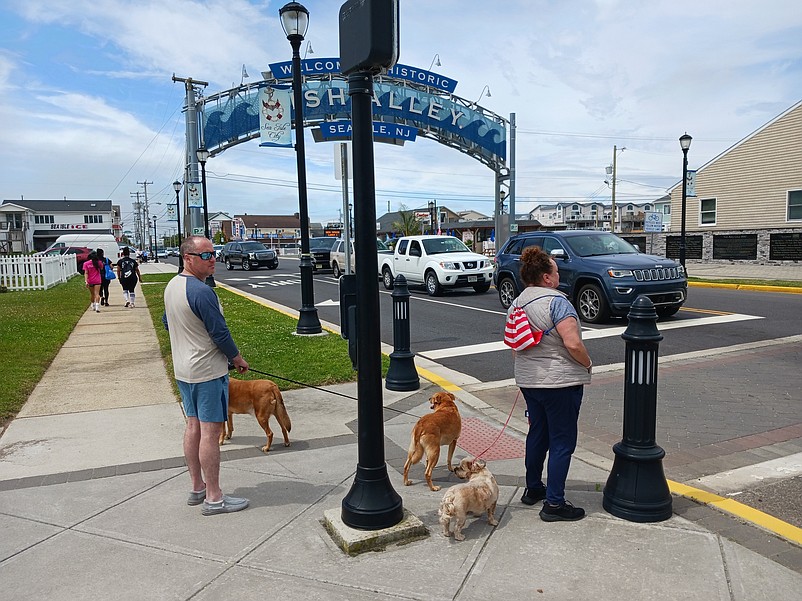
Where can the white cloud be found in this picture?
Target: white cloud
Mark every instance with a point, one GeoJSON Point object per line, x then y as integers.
{"type": "Point", "coordinates": [580, 77]}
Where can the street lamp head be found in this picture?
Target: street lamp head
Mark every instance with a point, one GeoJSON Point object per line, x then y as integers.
{"type": "Point", "coordinates": [685, 141]}
{"type": "Point", "coordinates": [177, 186]}
{"type": "Point", "coordinates": [203, 155]}
{"type": "Point", "coordinates": [294, 20]}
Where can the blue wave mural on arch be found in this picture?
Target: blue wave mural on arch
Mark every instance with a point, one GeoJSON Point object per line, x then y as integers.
{"type": "Point", "coordinates": [229, 118]}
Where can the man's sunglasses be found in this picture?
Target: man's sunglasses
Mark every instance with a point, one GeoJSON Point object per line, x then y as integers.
{"type": "Point", "coordinates": [204, 255]}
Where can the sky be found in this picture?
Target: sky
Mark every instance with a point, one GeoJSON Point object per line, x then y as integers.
{"type": "Point", "coordinates": [88, 107]}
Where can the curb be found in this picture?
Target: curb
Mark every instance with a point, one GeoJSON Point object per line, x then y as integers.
{"type": "Point", "coordinates": [752, 287]}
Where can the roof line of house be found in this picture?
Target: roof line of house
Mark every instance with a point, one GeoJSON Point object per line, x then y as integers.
{"type": "Point", "coordinates": [744, 139]}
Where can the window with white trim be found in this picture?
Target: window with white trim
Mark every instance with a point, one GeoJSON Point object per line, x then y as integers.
{"type": "Point", "coordinates": [37, 219]}
{"type": "Point", "coordinates": [707, 211]}
{"type": "Point", "coordinates": [794, 205]}
{"type": "Point", "coordinates": [93, 218]}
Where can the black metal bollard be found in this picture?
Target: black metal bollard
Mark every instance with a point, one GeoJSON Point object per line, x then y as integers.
{"type": "Point", "coordinates": [636, 489]}
{"type": "Point", "coordinates": [401, 375]}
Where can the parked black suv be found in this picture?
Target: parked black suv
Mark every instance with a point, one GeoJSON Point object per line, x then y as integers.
{"type": "Point", "coordinates": [320, 249]}
{"type": "Point", "coordinates": [249, 255]}
{"type": "Point", "coordinates": [601, 273]}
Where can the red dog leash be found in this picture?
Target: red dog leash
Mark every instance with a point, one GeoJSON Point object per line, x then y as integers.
{"type": "Point", "coordinates": [503, 428]}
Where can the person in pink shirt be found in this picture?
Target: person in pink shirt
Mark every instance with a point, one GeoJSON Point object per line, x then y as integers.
{"type": "Point", "coordinates": [92, 270]}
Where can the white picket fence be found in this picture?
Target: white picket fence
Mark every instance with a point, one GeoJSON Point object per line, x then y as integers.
{"type": "Point", "coordinates": [36, 272]}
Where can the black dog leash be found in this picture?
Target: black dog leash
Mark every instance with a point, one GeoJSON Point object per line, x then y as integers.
{"type": "Point", "coordinates": [263, 373]}
{"type": "Point", "coordinates": [304, 384]}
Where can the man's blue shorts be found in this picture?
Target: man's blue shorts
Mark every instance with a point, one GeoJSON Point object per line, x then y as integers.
{"type": "Point", "coordinates": [208, 401]}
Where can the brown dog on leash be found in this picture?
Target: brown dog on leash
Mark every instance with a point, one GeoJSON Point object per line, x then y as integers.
{"type": "Point", "coordinates": [477, 496]}
{"type": "Point", "coordinates": [433, 430]}
{"type": "Point", "coordinates": [260, 398]}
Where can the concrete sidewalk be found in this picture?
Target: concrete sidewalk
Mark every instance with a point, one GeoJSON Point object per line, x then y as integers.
{"type": "Point", "coordinates": [93, 488]}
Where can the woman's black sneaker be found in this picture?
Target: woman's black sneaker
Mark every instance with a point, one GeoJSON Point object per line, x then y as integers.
{"type": "Point", "coordinates": [562, 513]}
{"type": "Point", "coordinates": [533, 495]}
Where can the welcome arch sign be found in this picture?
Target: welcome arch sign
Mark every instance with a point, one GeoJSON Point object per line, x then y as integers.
{"type": "Point", "coordinates": [408, 102]}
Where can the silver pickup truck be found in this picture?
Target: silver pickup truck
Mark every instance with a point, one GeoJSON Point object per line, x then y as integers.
{"type": "Point", "coordinates": [338, 264]}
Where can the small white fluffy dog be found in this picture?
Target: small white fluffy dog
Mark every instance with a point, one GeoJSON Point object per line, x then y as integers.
{"type": "Point", "coordinates": [478, 495]}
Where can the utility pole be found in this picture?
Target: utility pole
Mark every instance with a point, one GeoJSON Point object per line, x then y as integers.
{"type": "Point", "coordinates": [612, 225]}
{"type": "Point", "coordinates": [138, 220]}
{"type": "Point", "coordinates": [191, 176]}
{"type": "Point", "coordinates": [612, 172]}
{"type": "Point", "coordinates": [147, 209]}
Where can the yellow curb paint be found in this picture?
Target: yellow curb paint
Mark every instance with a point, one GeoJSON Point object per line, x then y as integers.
{"type": "Point", "coordinates": [733, 507]}
{"type": "Point", "coordinates": [705, 311]}
{"type": "Point", "coordinates": [752, 287]}
{"type": "Point", "coordinates": [437, 380]}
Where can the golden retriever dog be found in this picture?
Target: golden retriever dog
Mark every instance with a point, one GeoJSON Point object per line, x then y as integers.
{"type": "Point", "coordinates": [433, 430]}
{"type": "Point", "coordinates": [260, 398]}
{"type": "Point", "coordinates": [477, 496]}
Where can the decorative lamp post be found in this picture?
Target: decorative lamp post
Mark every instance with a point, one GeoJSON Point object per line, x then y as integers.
{"type": "Point", "coordinates": [295, 21]}
{"type": "Point", "coordinates": [685, 144]}
{"type": "Point", "coordinates": [177, 187]}
{"type": "Point", "coordinates": [203, 156]}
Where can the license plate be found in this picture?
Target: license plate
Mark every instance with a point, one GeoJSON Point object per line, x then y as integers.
{"type": "Point", "coordinates": [472, 278]}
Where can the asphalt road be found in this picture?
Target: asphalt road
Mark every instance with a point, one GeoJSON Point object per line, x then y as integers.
{"type": "Point", "coordinates": [448, 328]}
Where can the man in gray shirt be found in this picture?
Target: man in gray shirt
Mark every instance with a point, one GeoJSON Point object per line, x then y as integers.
{"type": "Point", "coordinates": [202, 348]}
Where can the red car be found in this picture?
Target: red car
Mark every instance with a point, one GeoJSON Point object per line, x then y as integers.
{"type": "Point", "coordinates": [81, 254]}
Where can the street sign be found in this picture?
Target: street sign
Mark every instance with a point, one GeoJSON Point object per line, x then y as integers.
{"type": "Point", "coordinates": [513, 227]}
{"type": "Point", "coordinates": [653, 222]}
{"type": "Point", "coordinates": [690, 184]}
{"type": "Point", "coordinates": [197, 231]}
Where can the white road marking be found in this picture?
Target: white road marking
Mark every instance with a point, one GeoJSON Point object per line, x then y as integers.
{"type": "Point", "coordinates": [328, 303]}
{"type": "Point", "coordinates": [734, 481]}
{"type": "Point", "coordinates": [473, 349]}
{"type": "Point", "coordinates": [702, 354]}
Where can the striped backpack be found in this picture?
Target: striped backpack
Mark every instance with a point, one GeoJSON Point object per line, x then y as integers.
{"type": "Point", "coordinates": [518, 332]}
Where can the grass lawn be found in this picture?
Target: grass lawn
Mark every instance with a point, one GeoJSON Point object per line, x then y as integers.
{"type": "Point", "coordinates": [34, 326]}
{"type": "Point", "coordinates": [267, 341]}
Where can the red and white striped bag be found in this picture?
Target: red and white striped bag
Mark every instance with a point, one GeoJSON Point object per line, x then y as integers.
{"type": "Point", "coordinates": [518, 332]}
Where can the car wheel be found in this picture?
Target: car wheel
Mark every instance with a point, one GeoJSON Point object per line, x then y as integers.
{"type": "Point", "coordinates": [229, 264]}
{"type": "Point", "coordinates": [433, 287]}
{"type": "Point", "coordinates": [591, 304]}
{"type": "Point", "coordinates": [335, 268]}
{"type": "Point", "coordinates": [667, 311]}
{"type": "Point", "coordinates": [246, 265]}
{"type": "Point", "coordinates": [482, 288]}
{"type": "Point", "coordinates": [506, 292]}
{"type": "Point", "coordinates": [273, 265]}
{"type": "Point", "coordinates": [387, 278]}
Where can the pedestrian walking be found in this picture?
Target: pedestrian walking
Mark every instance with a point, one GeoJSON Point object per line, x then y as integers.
{"type": "Point", "coordinates": [551, 376]}
{"type": "Point", "coordinates": [202, 347]}
{"type": "Point", "coordinates": [104, 281]}
{"type": "Point", "coordinates": [92, 269]}
{"type": "Point", "coordinates": [128, 274]}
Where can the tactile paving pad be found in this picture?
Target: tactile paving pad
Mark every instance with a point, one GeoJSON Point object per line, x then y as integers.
{"type": "Point", "coordinates": [476, 436]}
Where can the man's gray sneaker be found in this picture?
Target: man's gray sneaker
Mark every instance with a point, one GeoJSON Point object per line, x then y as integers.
{"type": "Point", "coordinates": [227, 505]}
{"type": "Point", "coordinates": [196, 498]}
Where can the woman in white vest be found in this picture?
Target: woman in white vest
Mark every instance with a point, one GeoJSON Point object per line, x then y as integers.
{"type": "Point", "coordinates": [551, 376]}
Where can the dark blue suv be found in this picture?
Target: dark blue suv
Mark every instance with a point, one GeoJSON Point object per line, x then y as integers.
{"type": "Point", "coordinates": [601, 273]}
